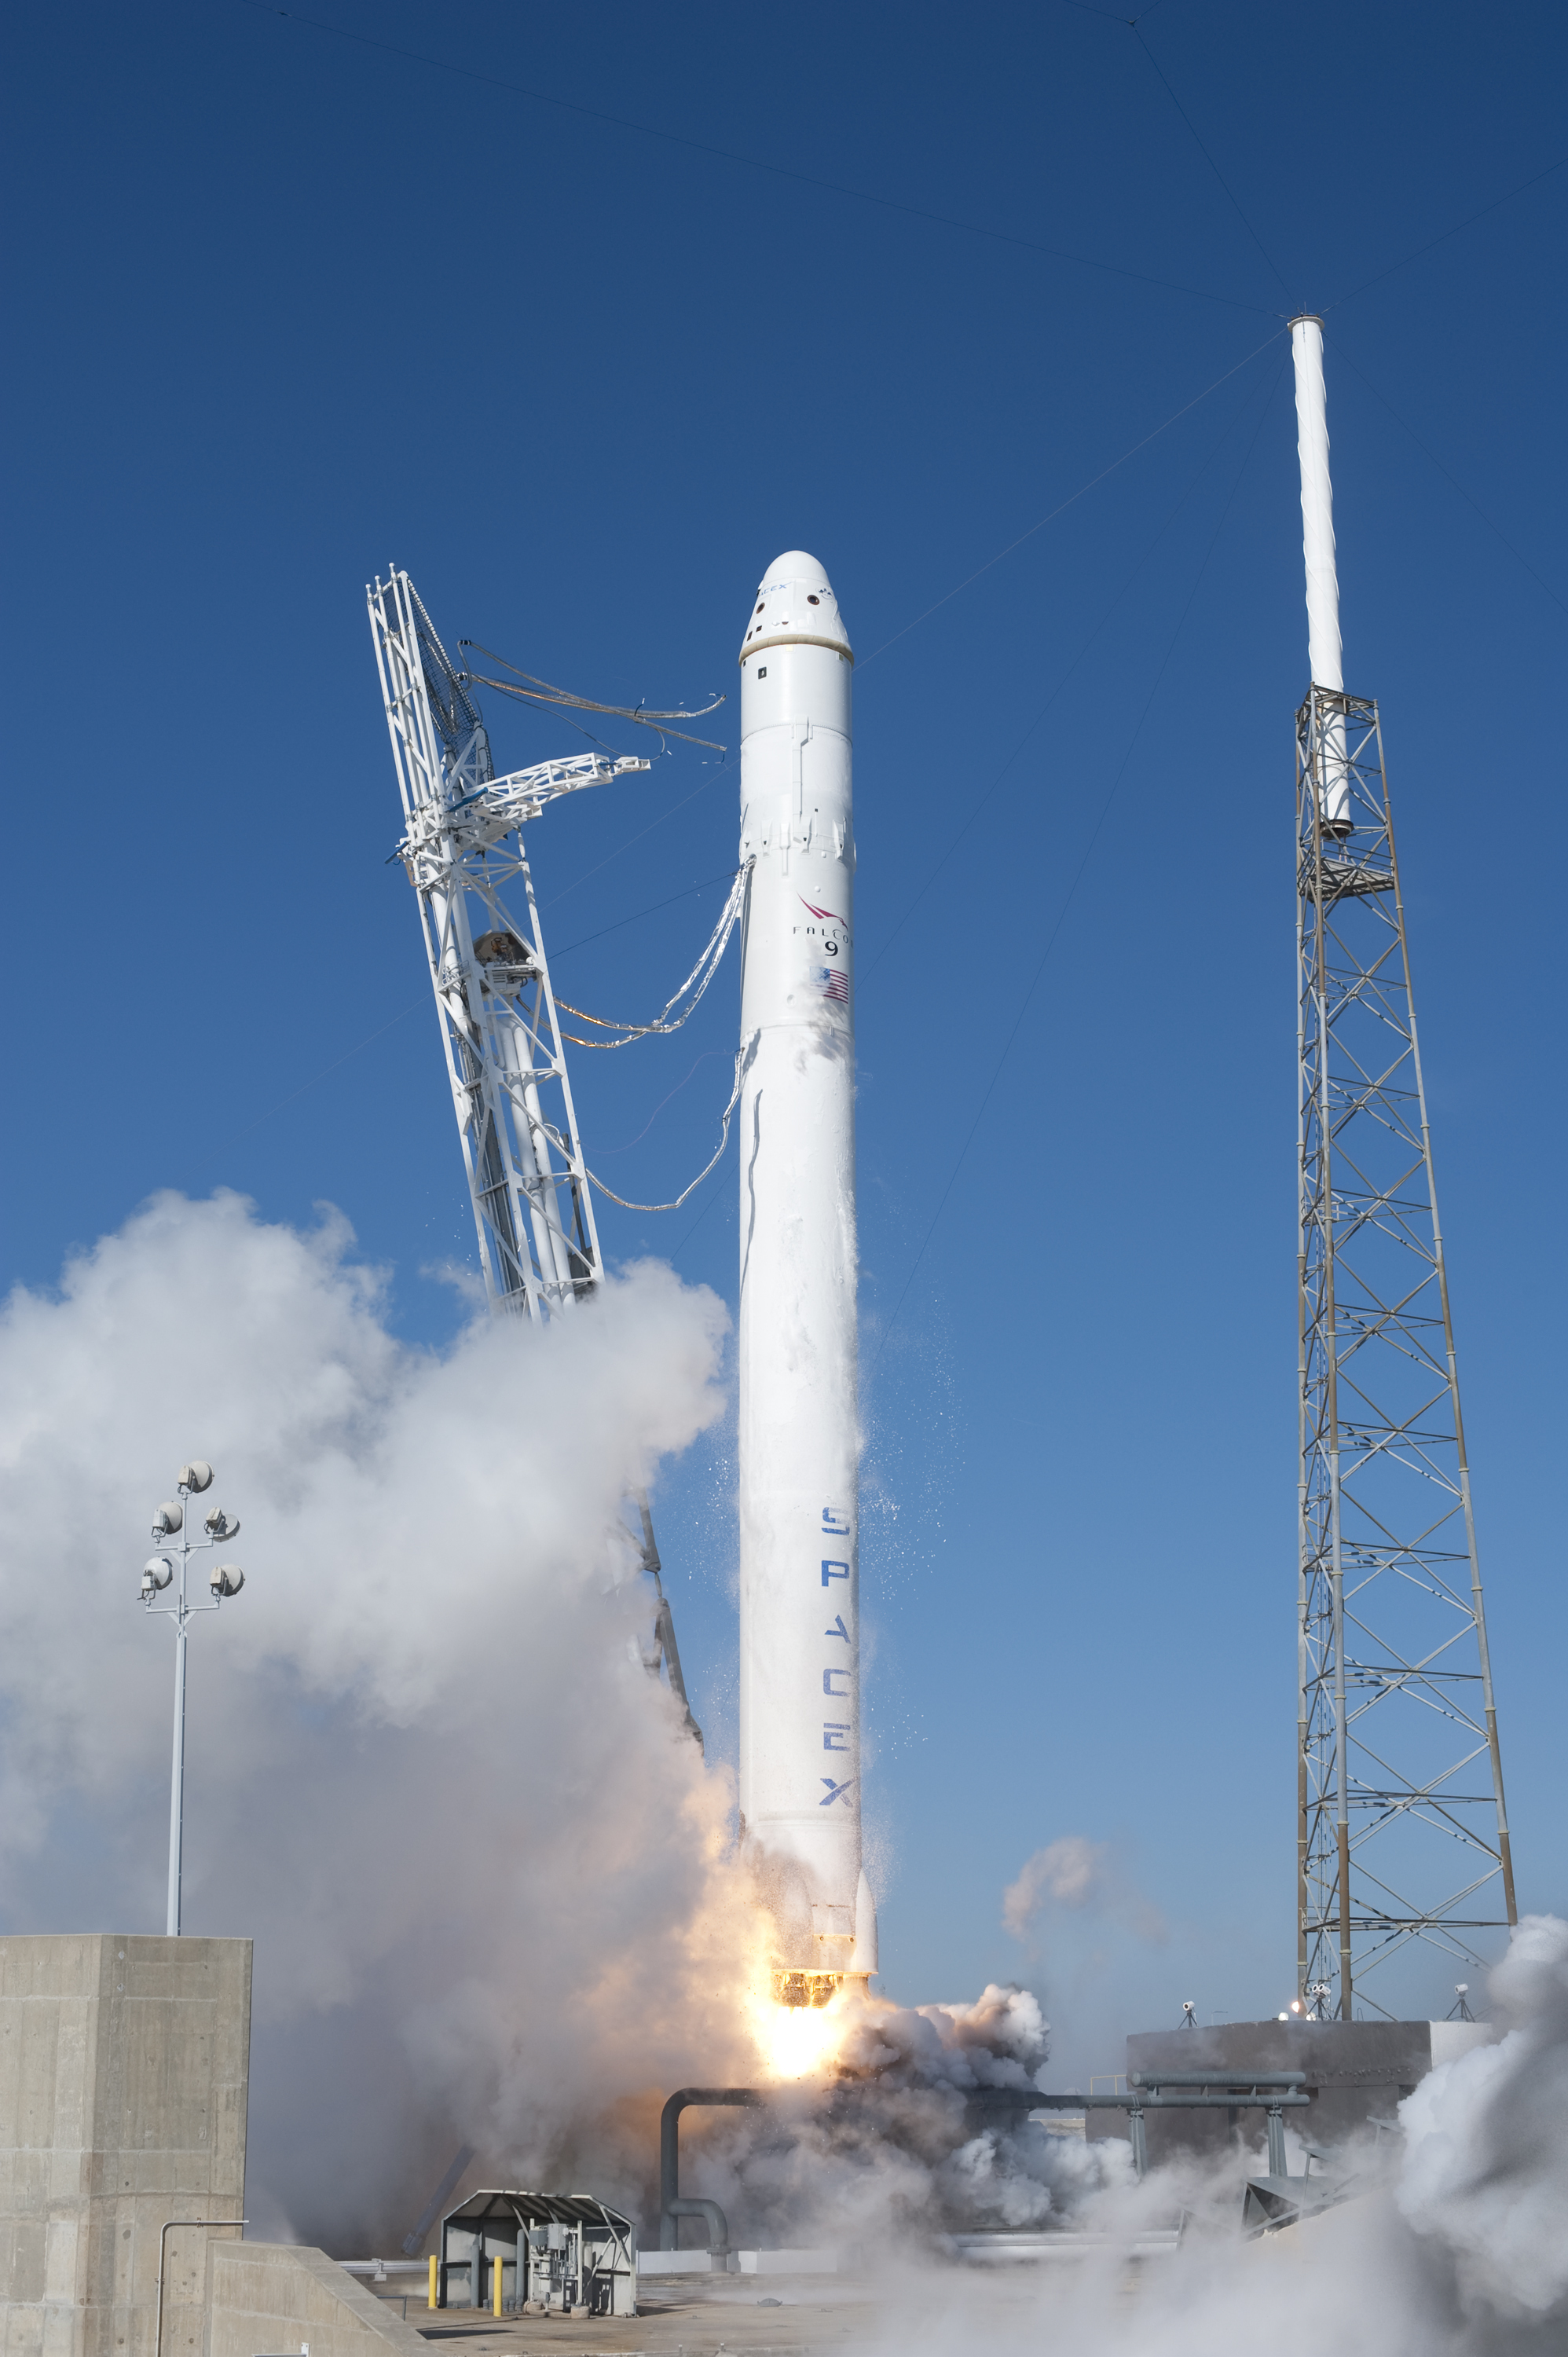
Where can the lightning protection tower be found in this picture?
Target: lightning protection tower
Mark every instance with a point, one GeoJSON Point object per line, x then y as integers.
{"type": "Point", "coordinates": [1402, 1830]}
{"type": "Point", "coordinates": [462, 847]}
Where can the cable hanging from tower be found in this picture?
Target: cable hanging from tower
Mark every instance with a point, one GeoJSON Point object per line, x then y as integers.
{"type": "Point", "coordinates": [560, 699]}
{"type": "Point", "coordinates": [743, 1057]}
{"type": "Point", "coordinates": [688, 999]}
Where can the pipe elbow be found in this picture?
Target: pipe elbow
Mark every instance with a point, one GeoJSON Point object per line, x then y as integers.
{"type": "Point", "coordinates": [693, 2206]}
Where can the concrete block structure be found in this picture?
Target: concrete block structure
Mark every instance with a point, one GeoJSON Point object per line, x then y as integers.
{"type": "Point", "coordinates": [283, 2297]}
{"type": "Point", "coordinates": [1357, 2073]}
{"type": "Point", "coordinates": [124, 2072]}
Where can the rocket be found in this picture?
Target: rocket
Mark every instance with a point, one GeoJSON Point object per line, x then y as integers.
{"type": "Point", "coordinates": [799, 1431]}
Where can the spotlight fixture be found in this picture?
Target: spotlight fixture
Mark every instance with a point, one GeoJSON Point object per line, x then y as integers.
{"type": "Point", "coordinates": [225, 1580]}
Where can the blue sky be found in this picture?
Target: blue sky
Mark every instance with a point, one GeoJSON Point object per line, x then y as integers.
{"type": "Point", "coordinates": [584, 315]}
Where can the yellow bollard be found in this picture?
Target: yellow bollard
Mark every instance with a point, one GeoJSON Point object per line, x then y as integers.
{"type": "Point", "coordinates": [432, 2279]}
{"type": "Point", "coordinates": [495, 2280]}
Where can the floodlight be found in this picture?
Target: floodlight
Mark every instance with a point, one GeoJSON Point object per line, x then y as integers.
{"type": "Point", "coordinates": [225, 1580]}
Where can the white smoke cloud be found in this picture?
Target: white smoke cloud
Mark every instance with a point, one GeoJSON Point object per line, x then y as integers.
{"type": "Point", "coordinates": [1067, 1873]}
{"type": "Point", "coordinates": [1079, 1876]}
{"type": "Point", "coordinates": [888, 2156]}
{"type": "Point", "coordinates": [492, 1884]}
{"type": "Point", "coordinates": [1451, 2240]}
{"type": "Point", "coordinates": [488, 1877]}
{"type": "Point", "coordinates": [1485, 2173]}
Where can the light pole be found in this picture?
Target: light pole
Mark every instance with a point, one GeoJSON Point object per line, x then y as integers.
{"type": "Point", "coordinates": [157, 1574]}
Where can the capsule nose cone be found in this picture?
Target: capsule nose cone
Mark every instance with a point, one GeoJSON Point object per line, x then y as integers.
{"type": "Point", "coordinates": [794, 600]}
{"type": "Point", "coordinates": [794, 565]}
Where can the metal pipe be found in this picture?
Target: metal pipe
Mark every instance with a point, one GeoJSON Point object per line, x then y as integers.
{"type": "Point", "coordinates": [1216, 2079]}
{"type": "Point", "coordinates": [177, 1776]}
{"type": "Point", "coordinates": [1145, 2101]}
{"type": "Point", "coordinates": [1296, 2100]}
{"type": "Point", "coordinates": [693, 2206]}
{"type": "Point", "coordinates": [1284, 2089]}
{"type": "Point", "coordinates": [168, 2226]}
{"type": "Point", "coordinates": [670, 2154]}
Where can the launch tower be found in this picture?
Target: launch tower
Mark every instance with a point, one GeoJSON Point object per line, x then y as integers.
{"type": "Point", "coordinates": [1402, 1830]}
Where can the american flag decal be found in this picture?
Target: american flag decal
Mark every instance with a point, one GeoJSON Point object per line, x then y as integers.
{"type": "Point", "coordinates": [835, 984]}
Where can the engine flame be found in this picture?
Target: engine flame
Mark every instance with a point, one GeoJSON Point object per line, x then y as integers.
{"type": "Point", "coordinates": [798, 2041]}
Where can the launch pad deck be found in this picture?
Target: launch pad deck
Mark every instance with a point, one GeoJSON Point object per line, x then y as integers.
{"type": "Point", "coordinates": [696, 2314]}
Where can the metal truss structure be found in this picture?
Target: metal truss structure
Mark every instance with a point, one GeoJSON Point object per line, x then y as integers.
{"type": "Point", "coordinates": [462, 846]}
{"type": "Point", "coordinates": [1403, 1832]}
{"type": "Point", "coordinates": [462, 843]}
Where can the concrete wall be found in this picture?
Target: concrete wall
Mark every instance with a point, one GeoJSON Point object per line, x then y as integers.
{"type": "Point", "coordinates": [269, 2299]}
{"type": "Point", "coordinates": [124, 2072]}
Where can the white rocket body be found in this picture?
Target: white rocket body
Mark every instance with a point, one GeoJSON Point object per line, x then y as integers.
{"type": "Point", "coordinates": [799, 1437]}
{"type": "Point", "coordinates": [1323, 642]}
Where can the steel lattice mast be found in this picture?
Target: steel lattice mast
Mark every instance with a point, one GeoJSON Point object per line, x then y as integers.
{"type": "Point", "coordinates": [1402, 1829]}
{"type": "Point", "coordinates": [462, 843]}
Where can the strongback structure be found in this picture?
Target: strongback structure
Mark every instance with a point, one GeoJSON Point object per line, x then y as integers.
{"type": "Point", "coordinates": [1403, 1832]}
{"type": "Point", "coordinates": [462, 847]}
{"type": "Point", "coordinates": [462, 844]}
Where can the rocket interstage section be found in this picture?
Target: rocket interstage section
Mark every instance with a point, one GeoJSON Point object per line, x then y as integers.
{"type": "Point", "coordinates": [799, 1437]}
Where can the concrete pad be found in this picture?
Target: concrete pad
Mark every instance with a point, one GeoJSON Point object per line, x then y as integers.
{"type": "Point", "coordinates": [696, 2314]}
{"type": "Point", "coordinates": [784, 2263]}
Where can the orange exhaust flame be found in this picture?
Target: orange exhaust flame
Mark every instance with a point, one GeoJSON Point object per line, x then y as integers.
{"type": "Point", "coordinates": [798, 2041]}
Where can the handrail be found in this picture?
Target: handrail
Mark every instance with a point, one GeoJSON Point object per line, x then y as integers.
{"type": "Point", "coordinates": [168, 2226]}
{"type": "Point", "coordinates": [1217, 2078]}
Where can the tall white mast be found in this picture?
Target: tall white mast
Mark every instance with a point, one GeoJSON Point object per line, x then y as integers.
{"type": "Point", "coordinates": [799, 1428]}
{"type": "Point", "coordinates": [1324, 650]}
